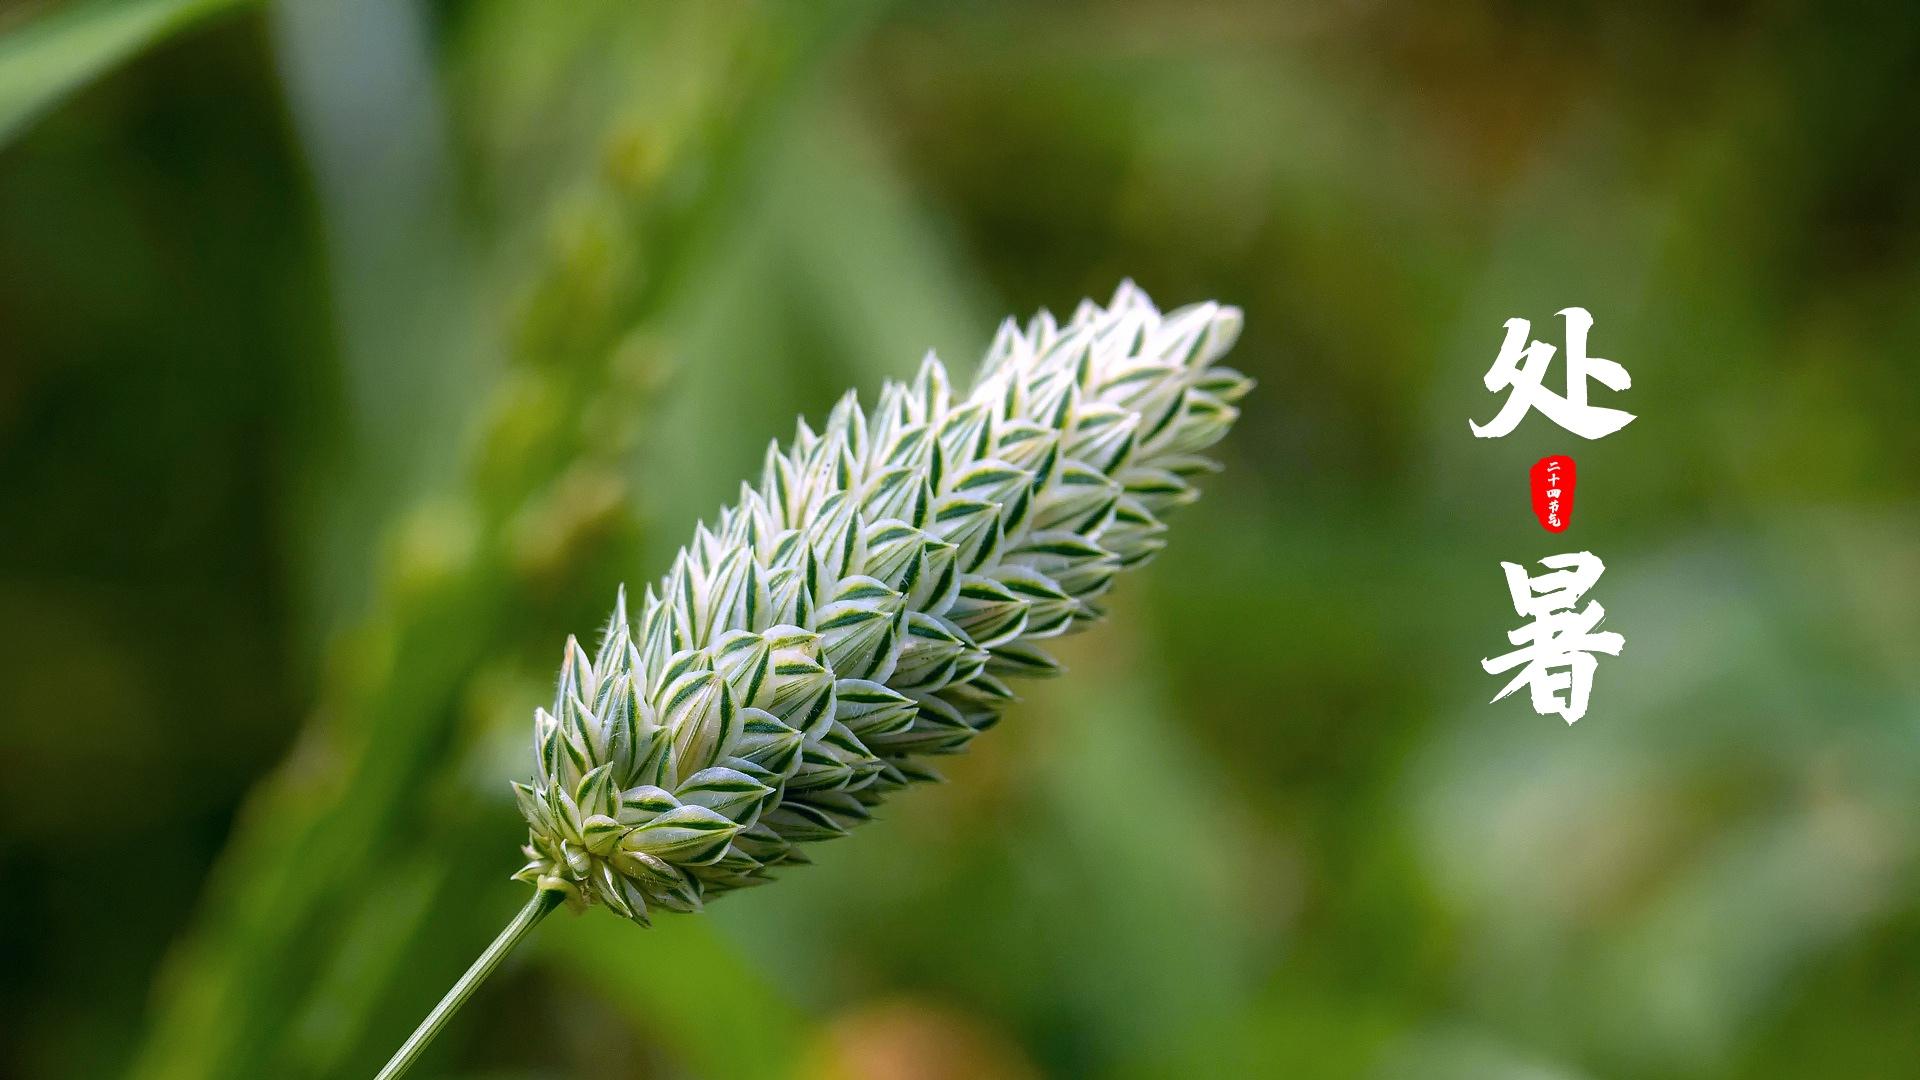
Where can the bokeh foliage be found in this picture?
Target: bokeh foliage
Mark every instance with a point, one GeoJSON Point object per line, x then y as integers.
{"type": "Point", "coordinates": [350, 353]}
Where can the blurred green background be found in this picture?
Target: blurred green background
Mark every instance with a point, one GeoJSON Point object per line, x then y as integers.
{"type": "Point", "coordinates": [352, 351]}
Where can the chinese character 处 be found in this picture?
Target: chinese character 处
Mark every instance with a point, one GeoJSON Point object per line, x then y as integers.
{"type": "Point", "coordinates": [1521, 370]}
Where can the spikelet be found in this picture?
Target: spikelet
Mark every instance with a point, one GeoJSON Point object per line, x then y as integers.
{"type": "Point", "coordinates": [861, 610]}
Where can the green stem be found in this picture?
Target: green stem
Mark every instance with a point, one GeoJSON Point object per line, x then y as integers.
{"type": "Point", "coordinates": [537, 908]}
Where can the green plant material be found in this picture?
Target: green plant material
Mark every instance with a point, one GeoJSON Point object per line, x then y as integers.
{"type": "Point", "coordinates": [234, 1000]}
{"type": "Point", "coordinates": [56, 54]}
{"type": "Point", "coordinates": [859, 611]}
{"type": "Point", "coordinates": [536, 908]}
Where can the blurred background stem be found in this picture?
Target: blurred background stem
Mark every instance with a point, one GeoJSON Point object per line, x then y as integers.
{"type": "Point", "coordinates": [544, 501]}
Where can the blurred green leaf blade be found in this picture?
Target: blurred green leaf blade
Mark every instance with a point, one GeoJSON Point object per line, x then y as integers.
{"type": "Point", "coordinates": [58, 53]}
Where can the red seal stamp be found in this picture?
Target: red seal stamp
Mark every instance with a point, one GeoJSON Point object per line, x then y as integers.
{"type": "Point", "coordinates": [1551, 481]}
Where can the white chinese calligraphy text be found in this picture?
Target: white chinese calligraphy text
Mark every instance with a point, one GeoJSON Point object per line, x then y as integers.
{"type": "Point", "coordinates": [1521, 369]}
{"type": "Point", "coordinates": [1557, 646]}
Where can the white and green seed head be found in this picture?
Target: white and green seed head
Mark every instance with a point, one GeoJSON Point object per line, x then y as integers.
{"type": "Point", "coordinates": [861, 609]}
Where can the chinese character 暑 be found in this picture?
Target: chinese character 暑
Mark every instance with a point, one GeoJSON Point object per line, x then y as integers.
{"type": "Point", "coordinates": [1521, 369]}
{"type": "Point", "coordinates": [1557, 646]}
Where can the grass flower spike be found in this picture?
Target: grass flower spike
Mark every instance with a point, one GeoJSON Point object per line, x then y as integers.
{"type": "Point", "coordinates": [861, 610]}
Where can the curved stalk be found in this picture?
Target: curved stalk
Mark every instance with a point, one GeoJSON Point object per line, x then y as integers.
{"type": "Point", "coordinates": [537, 908]}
